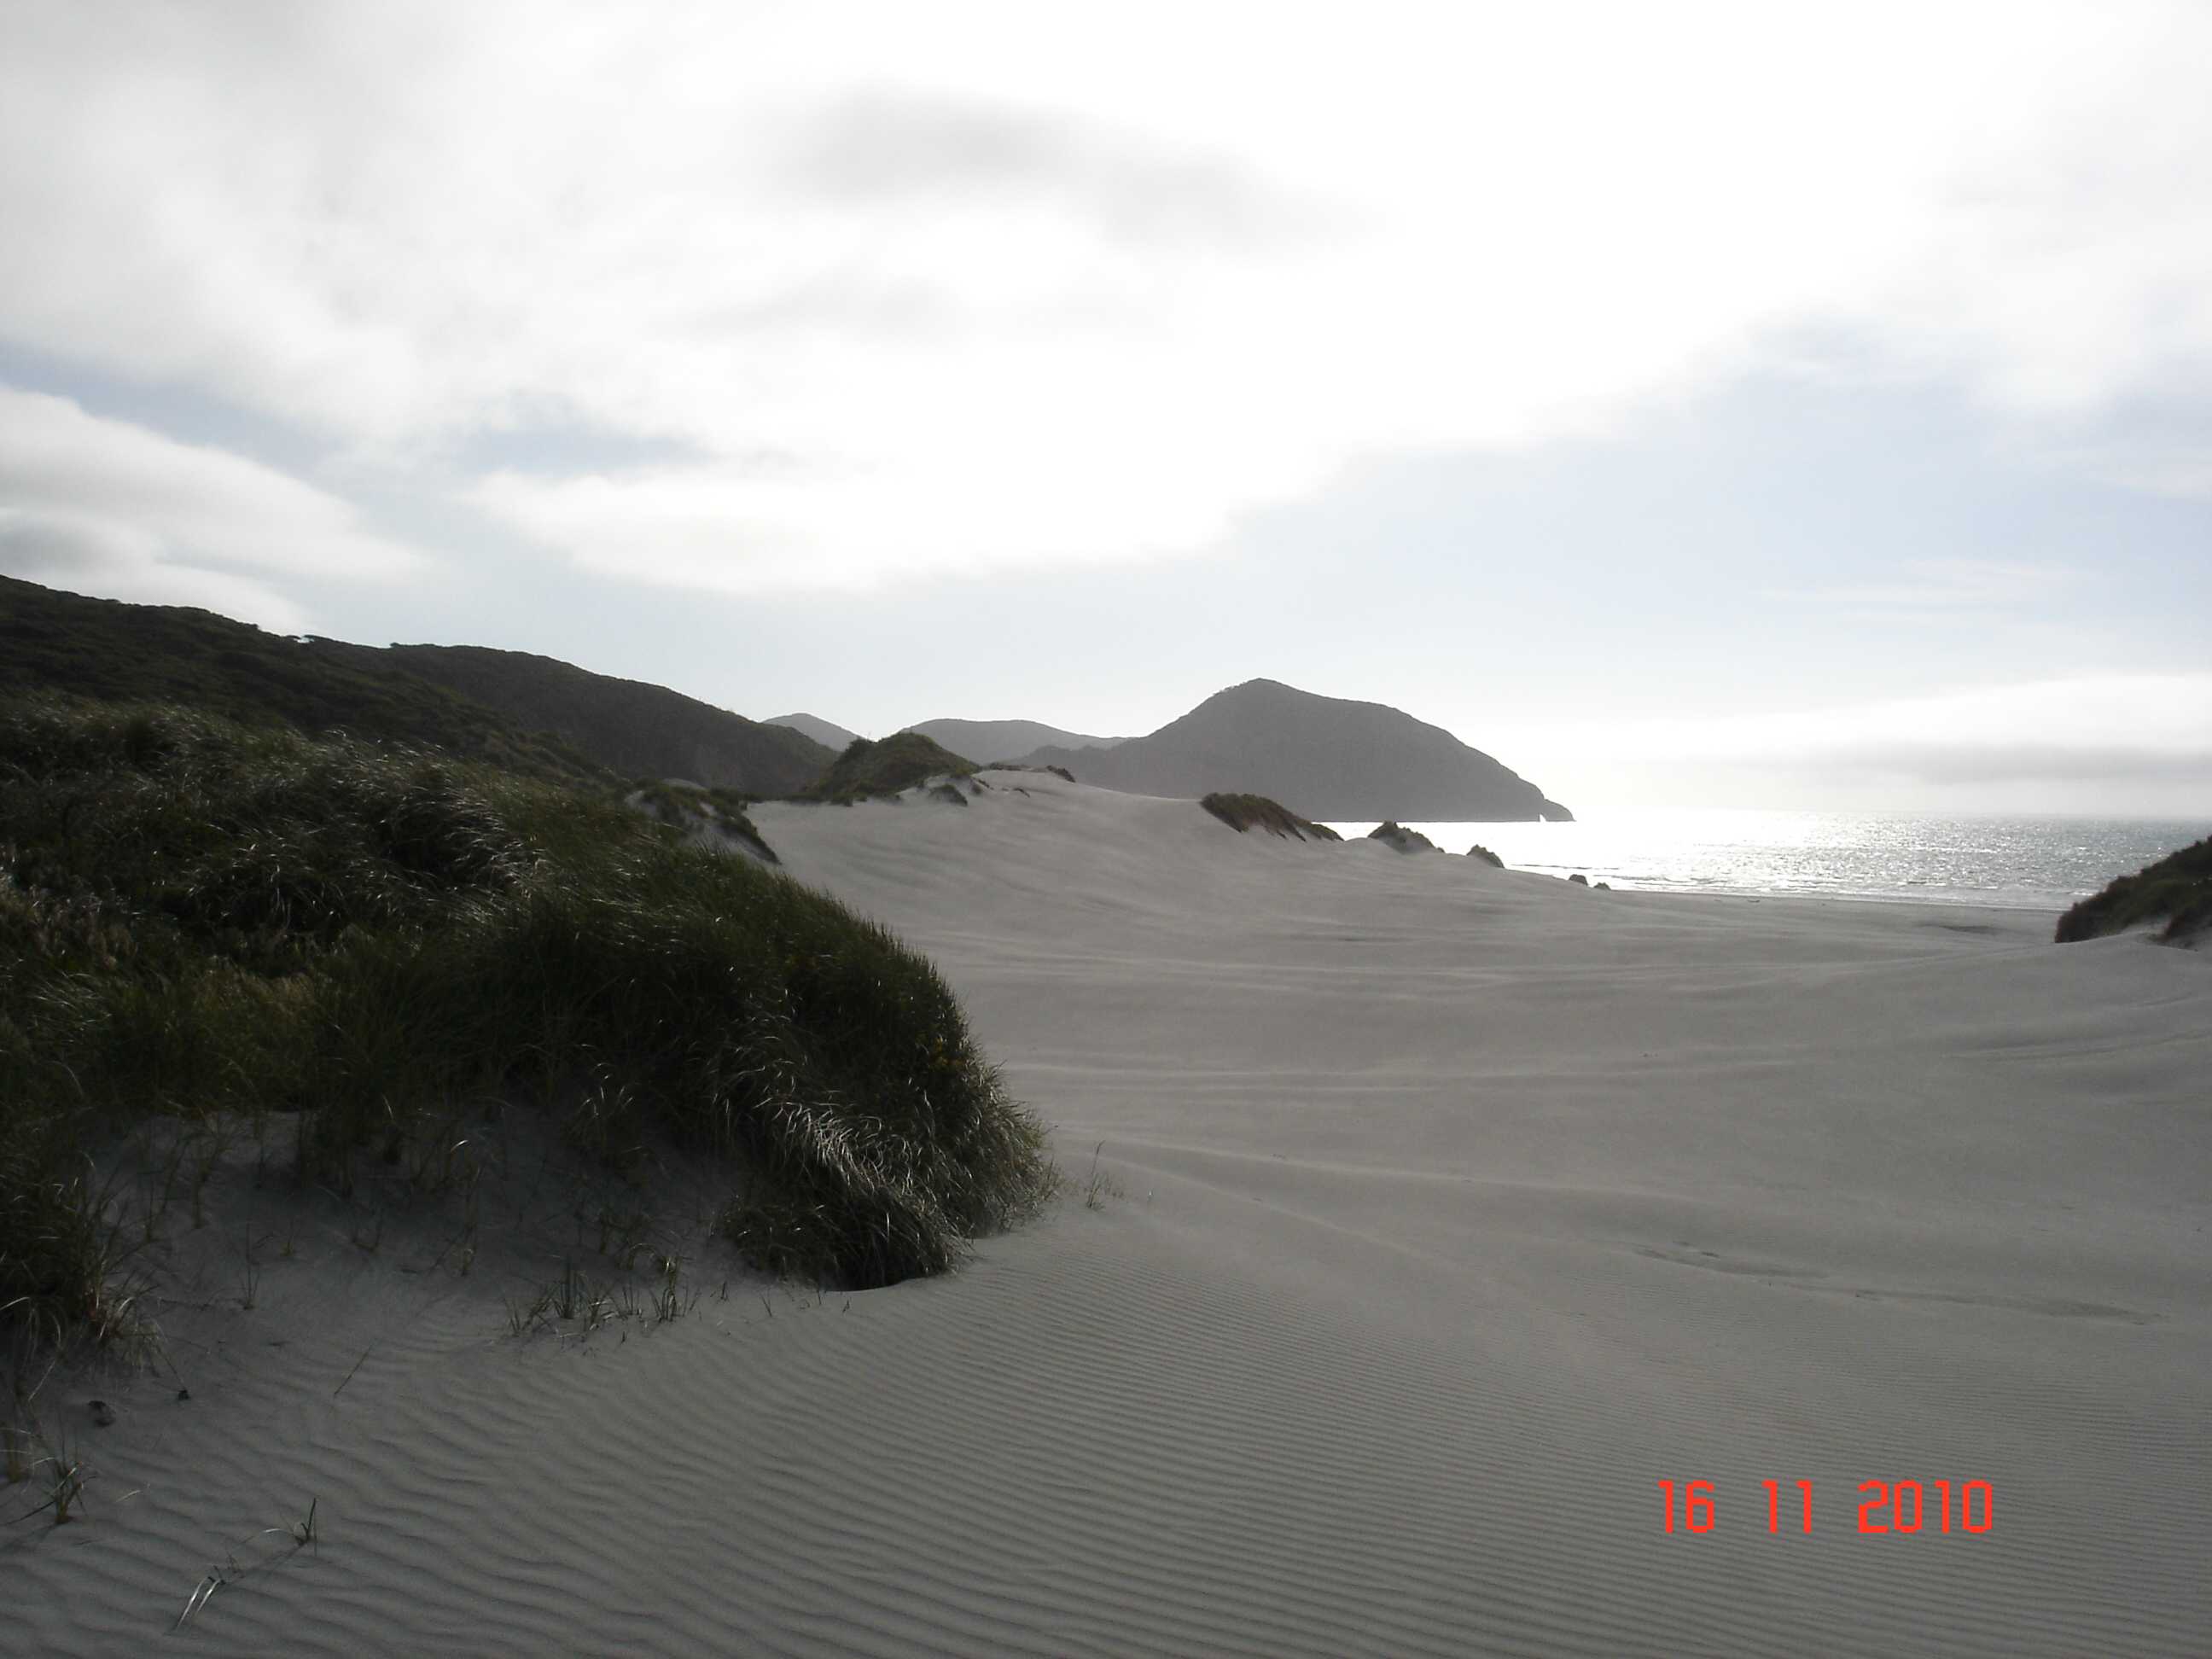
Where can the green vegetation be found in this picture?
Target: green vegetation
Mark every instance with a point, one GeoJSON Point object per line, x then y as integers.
{"type": "Point", "coordinates": [2177, 889]}
{"type": "Point", "coordinates": [1243, 812]}
{"type": "Point", "coordinates": [684, 806]}
{"type": "Point", "coordinates": [884, 768]}
{"type": "Point", "coordinates": [531, 714]}
{"type": "Point", "coordinates": [167, 654]}
{"type": "Point", "coordinates": [636, 729]}
{"type": "Point", "coordinates": [201, 921]}
{"type": "Point", "coordinates": [1479, 851]}
{"type": "Point", "coordinates": [1393, 834]}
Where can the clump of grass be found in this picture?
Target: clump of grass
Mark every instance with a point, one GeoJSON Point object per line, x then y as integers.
{"type": "Point", "coordinates": [56, 1477]}
{"type": "Point", "coordinates": [1393, 834]}
{"type": "Point", "coordinates": [2177, 890]}
{"type": "Point", "coordinates": [1098, 1186]}
{"type": "Point", "coordinates": [200, 920]}
{"type": "Point", "coordinates": [1244, 813]}
{"type": "Point", "coordinates": [884, 767]}
{"type": "Point", "coordinates": [1479, 851]}
{"type": "Point", "coordinates": [685, 807]}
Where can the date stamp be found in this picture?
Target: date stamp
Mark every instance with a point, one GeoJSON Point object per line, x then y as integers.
{"type": "Point", "coordinates": [1905, 1506]}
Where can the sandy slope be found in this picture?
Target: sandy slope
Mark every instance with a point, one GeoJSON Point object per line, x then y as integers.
{"type": "Point", "coordinates": [1458, 1209]}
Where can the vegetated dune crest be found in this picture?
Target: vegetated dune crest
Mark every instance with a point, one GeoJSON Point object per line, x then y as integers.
{"type": "Point", "coordinates": [1424, 1216]}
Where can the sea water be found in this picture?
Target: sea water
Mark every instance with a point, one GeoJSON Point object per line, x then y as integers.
{"type": "Point", "coordinates": [2008, 862]}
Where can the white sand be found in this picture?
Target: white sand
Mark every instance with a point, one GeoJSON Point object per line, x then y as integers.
{"type": "Point", "coordinates": [1460, 1208]}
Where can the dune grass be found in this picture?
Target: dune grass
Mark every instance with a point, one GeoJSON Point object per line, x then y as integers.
{"type": "Point", "coordinates": [197, 919]}
{"type": "Point", "coordinates": [1391, 833]}
{"type": "Point", "coordinates": [1244, 813]}
{"type": "Point", "coordinates": [2177, 889]}
{"type": "Point", "coordinates": [689, 807]}
{"type": "Point", "coordinates": [1479, 851]}
{"type": "Point", "coordinates": [884, 767]}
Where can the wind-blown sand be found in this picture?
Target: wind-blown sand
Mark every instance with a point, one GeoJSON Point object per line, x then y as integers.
{"type": "Point", "coordinates": [1458, 1209]}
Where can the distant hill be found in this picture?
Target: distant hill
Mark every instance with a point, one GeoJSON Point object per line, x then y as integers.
{"type": "Point", "coordinates": [638, 730]}
{"type": "Point", "coordinates": [828, 734]}
{"type": "Point", "coordinates": [1323, 757]}
{"type": "Point", "coordinates": [1007, 739]}
{"type": "Point", "coordinates": [529, 714]}
{"type": "Point", "coordinates": [105, 649]}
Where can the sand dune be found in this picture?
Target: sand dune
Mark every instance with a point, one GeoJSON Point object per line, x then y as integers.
{"type": "Point", "coordinates": [1452, 1210]}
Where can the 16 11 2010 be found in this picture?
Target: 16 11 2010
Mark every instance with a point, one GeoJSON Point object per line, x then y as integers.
{"type": "Point", "coordinates": [1884, 1506]}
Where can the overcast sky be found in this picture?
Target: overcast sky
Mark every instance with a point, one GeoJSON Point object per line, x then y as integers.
{"type": "Point", "coordinates": [1765, 404]}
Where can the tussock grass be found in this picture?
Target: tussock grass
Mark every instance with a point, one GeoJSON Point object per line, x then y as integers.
{"type": "Point", "coordinates": [199, 921]}
{"type": "Point", "coordinates": [1244, 813]}
{"type": "Point", "coordinates": [682, 806]}
{"type": "Point", "coordinates": [884, 768]}
{"type": "Point", "coordinates": [2177, 889]}
{"type": "Point", "coordinates": [1479, 851]}
{"type": "Point", "coordinates": [1393, 834]}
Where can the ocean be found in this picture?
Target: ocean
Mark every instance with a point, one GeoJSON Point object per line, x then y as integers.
{"type": "Point", "coordinates": [2007, 862]}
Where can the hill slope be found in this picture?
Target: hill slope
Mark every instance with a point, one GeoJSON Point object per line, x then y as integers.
{"type": "Point", "coordinates": [1325, 757]}
{"type": "Point", "coordinates": [884, 768]}
{"type": "Point", "coordinates": [531, 713]}
{"type": "Point", "coordinates": [828, 734]}
{"type": "Point", "coordinates": [1007, 739]}
{"type": "Point", "coordinates": [2177, 891]}
{"type": "Point", "coordinates": [105, 649]}
{"type": "Point", "coordinates": [638, 730]}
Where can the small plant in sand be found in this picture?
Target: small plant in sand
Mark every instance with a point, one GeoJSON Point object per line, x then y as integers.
{"type": "Point", "coordinates": [17, 1435]}
{"type": "Point", "coordinates": [303, 1534]}
{"type": "Point", "coordinates": [1097, 1185]}
{"type": "Point", "coordinates": [56, 1477]}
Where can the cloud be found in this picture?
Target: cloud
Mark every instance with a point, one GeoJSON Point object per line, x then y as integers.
{"type": "Point", "coordinates": [90, 503]}
{"type": "Point", "coordinates": [1009, 284]}
{"type": "Point", "coordinates": [2099, 743]}
{"type": "Point", "coordinates": [1943, 586]}
{"type": "Point", "coordinates": [113, 561]}
{"type": "Point", "coordinates": [884, 147]}
{"type": "Point", "coordinates": [2099, 726]}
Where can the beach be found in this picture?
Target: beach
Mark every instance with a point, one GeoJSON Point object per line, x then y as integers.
{"type": "Point", "coordinates": [1422, 1219]}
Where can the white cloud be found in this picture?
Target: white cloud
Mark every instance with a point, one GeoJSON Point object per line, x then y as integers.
{"type": "Point", "coordinates": [2087, 717]}
{"type": "Point", "coordinates": [99, 505]}
{"type": "Point", "coordinates": [1004, 283]}
{"type": "Point", "coordinates": [2081, 742]}
{"type": "Point", "coordinates": [1945, 585]}
{"type": "Point", "coordinates": [113, 560]}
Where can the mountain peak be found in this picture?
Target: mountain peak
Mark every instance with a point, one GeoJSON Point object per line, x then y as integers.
{"type": "Point", "coordinates": [1325, 757]}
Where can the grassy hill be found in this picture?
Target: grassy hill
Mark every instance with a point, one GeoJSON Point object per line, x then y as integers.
{"type": "Point", "coordinates": [883, 768]}
{"type": "Point", "coordinates": [532, 715]}
{"type": "Point", "coordinates": [1243, 812]}
{"type": "Point", "coordinates": [2177, 889]}
{"type": "Point", "coordinates": [638, 730]}
{"type": "Point", "coordinates": [104, 649]}
{"type": "Point", "coordinates": [204, 924]}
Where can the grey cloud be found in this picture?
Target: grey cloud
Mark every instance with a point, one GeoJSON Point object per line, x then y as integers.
{"type": "Point", "coordinates": [886, 148]}
{"type": "Point", "coordinates": [557, 440]}
{"type": "Point", "coordinates": [84, 555]}
{"type": "Point", "coordinates": [844, 303]}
